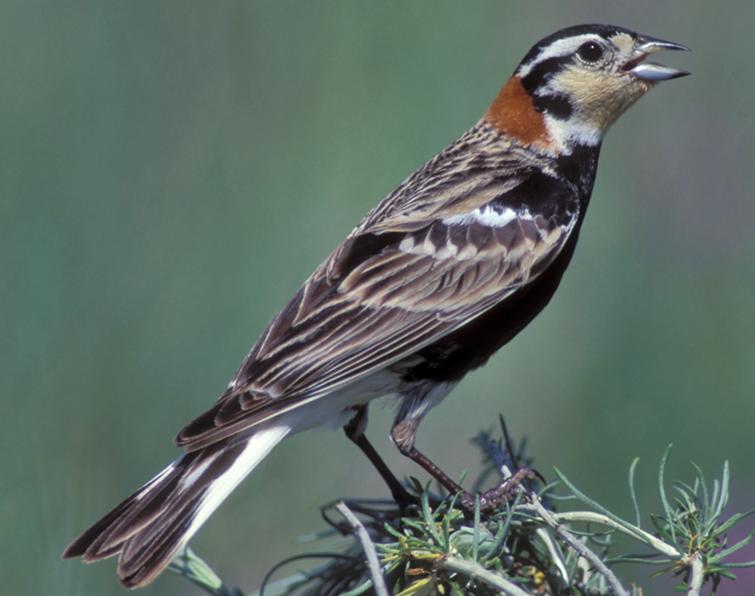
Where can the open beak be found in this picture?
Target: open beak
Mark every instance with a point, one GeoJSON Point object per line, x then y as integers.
{"type": "Point", "coordinates": [649, 71]}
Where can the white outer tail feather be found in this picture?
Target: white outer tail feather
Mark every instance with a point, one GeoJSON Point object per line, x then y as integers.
{"type": "Point", "coordinates": [138, 572]}
{"type": "Point", "coordinates": [257, 448]}
{"type": "Point", "coordinates": [147, 529]}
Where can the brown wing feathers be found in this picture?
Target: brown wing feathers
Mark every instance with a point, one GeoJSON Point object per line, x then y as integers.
{"type": "Point", "coordinates": [393, 287]}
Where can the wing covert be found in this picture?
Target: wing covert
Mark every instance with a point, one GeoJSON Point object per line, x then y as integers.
{"type": "Point", "coordinates": [397, 284]}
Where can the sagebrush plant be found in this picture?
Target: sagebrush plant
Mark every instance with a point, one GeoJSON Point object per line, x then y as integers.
{"type": "Point", "coordinates": [533, 544]}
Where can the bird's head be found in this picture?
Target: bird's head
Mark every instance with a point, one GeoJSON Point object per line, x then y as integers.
{"type": "Point", "coordinates": [572, 85]}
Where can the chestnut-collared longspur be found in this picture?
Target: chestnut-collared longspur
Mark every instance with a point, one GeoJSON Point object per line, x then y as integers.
{"type": "Point", "coordinates": [446, 269]}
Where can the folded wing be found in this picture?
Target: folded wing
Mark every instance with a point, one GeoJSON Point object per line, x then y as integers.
{"type": "Point", "coordinates": [395, 286]}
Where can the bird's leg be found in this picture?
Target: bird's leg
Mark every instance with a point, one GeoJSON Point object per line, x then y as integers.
{"type": "Point", "coordinates": [354, 430]}
{"type": "Point", "coordinates": [403, 434]}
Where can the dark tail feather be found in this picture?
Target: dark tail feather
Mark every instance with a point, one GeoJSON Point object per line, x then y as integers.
{"type": "Point", "coordinates": [150, 526]}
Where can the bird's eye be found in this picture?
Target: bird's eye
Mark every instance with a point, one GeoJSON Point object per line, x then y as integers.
{"type": "Point", "coordinates": [590, 51]}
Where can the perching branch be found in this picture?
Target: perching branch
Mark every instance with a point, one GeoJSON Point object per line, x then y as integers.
{"type": "Point", "coordinates": [578, 546]}
{"type": "Point", "coordinates": [698, 576]}
{"type": "Point", "coordinates": [475, 572]}
{"type": "Point", "coordinates": [525, 547]}
{"type": "Point", "coordinates": [590, 517]}
{"type": "Point", "coordinates": [378, 582]}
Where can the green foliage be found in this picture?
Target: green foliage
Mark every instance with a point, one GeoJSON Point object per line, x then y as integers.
{"type": "Point", "coordinates": [528, 546]}
{"type": "Point", "coordinates": [190, 566]}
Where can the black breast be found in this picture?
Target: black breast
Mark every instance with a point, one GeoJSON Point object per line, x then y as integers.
{"type": "Point", "coordinates": [453, 356]}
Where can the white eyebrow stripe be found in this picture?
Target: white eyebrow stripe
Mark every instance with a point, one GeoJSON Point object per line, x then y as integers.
{"type": "Point", "coordinates": [562, 47]}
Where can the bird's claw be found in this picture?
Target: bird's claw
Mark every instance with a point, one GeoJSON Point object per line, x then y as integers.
{"type": "Point", "coordinates": [492, 499]}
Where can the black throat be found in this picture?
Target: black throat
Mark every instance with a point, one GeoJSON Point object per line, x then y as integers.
{"type": "Point", "coordinates": [579, 168]}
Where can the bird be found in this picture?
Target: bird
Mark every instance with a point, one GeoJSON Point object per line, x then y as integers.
{"type": "Point", "coordinates": [445, 270]}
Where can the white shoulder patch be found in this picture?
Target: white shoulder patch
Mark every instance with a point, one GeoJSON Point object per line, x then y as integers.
{"type": "Point", "coordinates": [488, 216]}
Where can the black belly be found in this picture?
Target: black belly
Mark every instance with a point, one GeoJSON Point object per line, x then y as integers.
{"type": "Point", "coordinates": [450, 358]}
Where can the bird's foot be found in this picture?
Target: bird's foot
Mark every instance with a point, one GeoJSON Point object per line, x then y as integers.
{"type": "Point", "coordinates": [507, 490]}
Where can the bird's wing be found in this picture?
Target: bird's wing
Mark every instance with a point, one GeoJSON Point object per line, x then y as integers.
{"type": "Point", "coordinates": [393, 287]}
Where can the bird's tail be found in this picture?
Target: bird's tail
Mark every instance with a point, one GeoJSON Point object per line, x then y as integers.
{"type": "Point", "coordinates": [150, 526]}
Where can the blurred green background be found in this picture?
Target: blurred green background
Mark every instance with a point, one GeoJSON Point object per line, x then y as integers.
{"type": "Point", "coordinates": [171, 172]}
